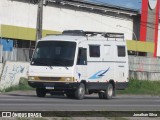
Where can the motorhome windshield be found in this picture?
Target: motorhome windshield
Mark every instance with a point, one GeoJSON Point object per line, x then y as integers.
{"type": "Point", "coordinates": [54, 53]}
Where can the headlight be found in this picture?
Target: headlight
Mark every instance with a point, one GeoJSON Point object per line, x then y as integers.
{"type": "Point", "coordinates": [67, 79]}
{"type": "Point", "coordinates": [31, 78]}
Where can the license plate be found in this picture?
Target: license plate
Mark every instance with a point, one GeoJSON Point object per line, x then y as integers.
{"type": "Point", "coordinates": [49, 88]}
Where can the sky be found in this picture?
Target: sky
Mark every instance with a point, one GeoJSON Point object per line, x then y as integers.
{"type": "Point", "coordinates": [133, 4]}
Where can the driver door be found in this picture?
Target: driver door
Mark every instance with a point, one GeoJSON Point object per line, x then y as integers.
{"type": "Point", "coordinates": [82, 63]}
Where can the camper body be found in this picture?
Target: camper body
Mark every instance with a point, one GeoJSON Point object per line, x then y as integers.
{"type": "Point", "coordinates": [79, 63]}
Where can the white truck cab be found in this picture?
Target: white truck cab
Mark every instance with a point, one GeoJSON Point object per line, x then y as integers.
{"type": "Point", "coordinates": [77, 63]}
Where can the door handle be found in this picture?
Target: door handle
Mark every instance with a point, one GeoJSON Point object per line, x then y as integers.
{"type": "Point", "coordinates": [120, 66]}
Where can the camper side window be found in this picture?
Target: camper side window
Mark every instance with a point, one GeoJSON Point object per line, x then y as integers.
{"type": "Point", "coordinates": [121, 51]}
{"type": "Point", "coordinates": [94, 51]}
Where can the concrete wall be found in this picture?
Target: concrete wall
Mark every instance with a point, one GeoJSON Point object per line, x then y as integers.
{"type": "Point", "coordinates": [144, 64]}
{"type": "Point", "coordinates": [1, 67]}
{"type": "Point", "coordinates": [143, 75]}
{"type": "Point", "coordinates": [144, 68]}
{"type": "Point", "coordinates": [59, 18]}
{"type": "Point", "coordinates": [12, 73]}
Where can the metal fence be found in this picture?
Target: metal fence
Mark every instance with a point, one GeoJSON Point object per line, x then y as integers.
{"type": "Point", "coordinates": [1, 49]}
{"type": "Point", "coordinates": [18, 54]}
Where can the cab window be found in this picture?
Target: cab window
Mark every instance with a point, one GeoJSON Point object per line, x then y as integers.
{"type": "Point", "coordinates": [82, 56]}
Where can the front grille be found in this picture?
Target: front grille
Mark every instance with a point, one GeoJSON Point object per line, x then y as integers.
{"type": "Point", "coordinates": [50, 78]}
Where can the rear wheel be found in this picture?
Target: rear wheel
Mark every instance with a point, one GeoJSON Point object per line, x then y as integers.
{"type": "Point", "coordinates": [80, 92]}
{"type": "Point", "coordinates": [108, 92]}
{"type": "Point", "coordinates": [41, 92]}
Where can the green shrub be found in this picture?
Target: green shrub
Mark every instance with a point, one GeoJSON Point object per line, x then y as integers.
{"type": "Point", "coordinates": [142, 87]}
{"type": "Point", "coordinates": [23, 85]}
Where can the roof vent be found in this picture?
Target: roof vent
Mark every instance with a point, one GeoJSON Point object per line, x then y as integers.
{"type": "Point", "coordinates": [74, 32]}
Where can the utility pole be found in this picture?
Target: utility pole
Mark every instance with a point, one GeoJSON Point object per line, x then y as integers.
{"type": "Point", "coordinates": [39, 20]}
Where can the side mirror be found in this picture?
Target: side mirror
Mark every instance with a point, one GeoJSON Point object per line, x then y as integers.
{"type": "Point", "coordinates": [31, 50]}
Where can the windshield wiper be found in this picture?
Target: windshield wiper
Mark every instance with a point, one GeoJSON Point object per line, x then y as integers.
{"type": "Point", "coordinates": [60, 64]}
{"type": "Point", "coordinates": [42, 64]}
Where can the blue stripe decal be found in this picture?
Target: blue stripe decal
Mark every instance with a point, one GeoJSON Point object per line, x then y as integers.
{"type": "Point", "coordinates": [79, 75]}
{"type": "Point", "coordinates": [99, 74]}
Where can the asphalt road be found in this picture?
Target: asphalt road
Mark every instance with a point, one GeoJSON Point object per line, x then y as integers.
{"type": "Point", "coordinates": [28, 101]}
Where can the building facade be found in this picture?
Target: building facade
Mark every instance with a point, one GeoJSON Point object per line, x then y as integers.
{"type": "Point", "coordinates": [18, 21]}
{"type": "Point", "coordinates": [18, 18]}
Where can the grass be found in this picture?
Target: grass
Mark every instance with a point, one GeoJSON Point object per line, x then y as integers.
{"type": "Point", "coordinates": [117, 118]}
{"type": "Point", "coordinates": [23, 85]}
{"type": "Point", "coordinates": [142, 87]}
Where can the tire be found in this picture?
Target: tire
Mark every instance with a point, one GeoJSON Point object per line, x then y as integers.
{"type": "Point", "coordinates": [108, 94]}
{"type": "Point", "coordinates": [80, 92]}
{"type": "Point", "coordinates": [101, 95]}
{"type": "Point", "coordinates": [41, 92]}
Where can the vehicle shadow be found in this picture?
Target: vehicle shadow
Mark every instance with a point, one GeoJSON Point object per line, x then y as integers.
{"type": "Point", "coordinates": [49, 96]}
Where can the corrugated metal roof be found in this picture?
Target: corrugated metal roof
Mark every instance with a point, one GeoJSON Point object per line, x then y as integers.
{"type": "Point", "coordinates": [98, 6]}
{"type": "Point", "coordinates": [108, 5]}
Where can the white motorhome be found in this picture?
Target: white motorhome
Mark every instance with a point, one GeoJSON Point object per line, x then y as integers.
{"type": "Point", "coordinates": [78, 63]}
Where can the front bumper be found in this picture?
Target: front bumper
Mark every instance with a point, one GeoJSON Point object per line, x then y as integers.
{"type": "Point", "coordinates": [55, 85]}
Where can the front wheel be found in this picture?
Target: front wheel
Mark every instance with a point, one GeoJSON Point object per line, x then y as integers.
{"type": "Point", "coordinates": [41, 92]}
{"type": "Point", "coordinates": [108, 92]}
{"type": "Point", "coordinates": [80, 92]}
